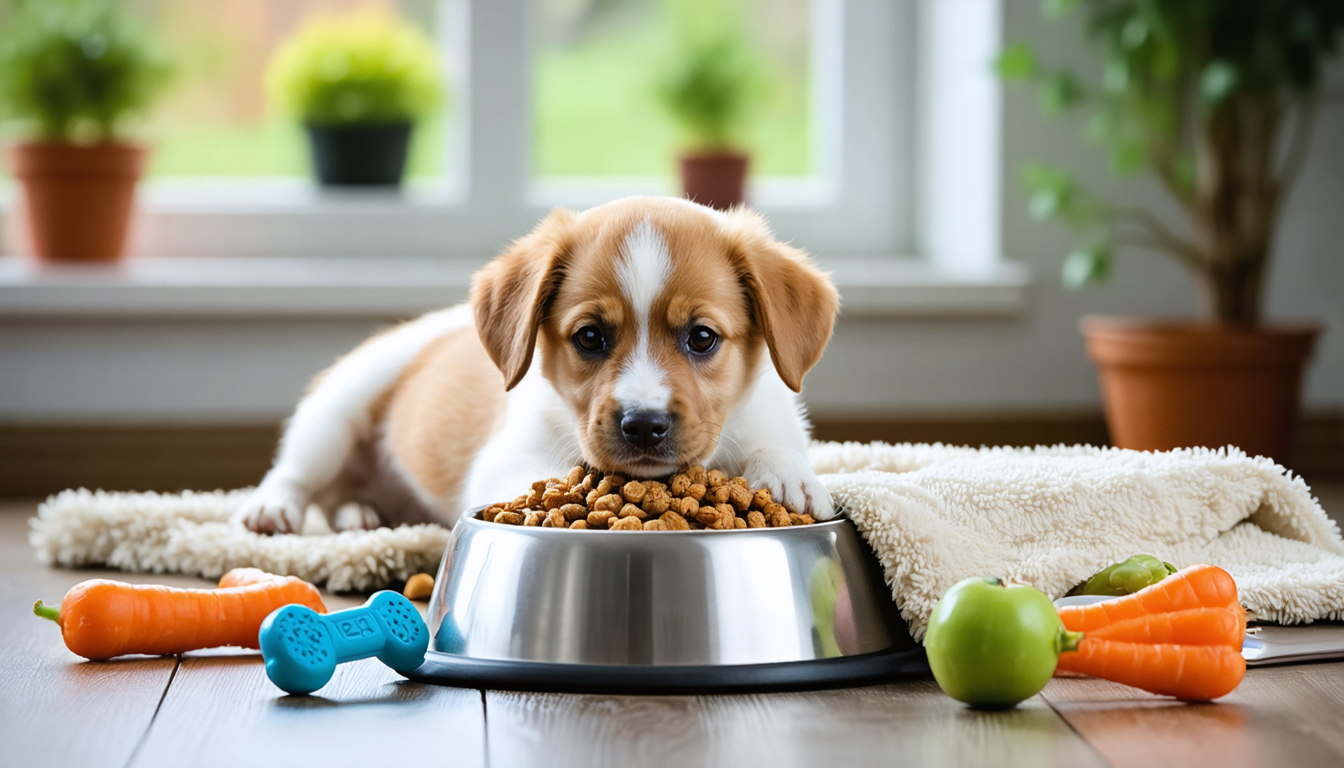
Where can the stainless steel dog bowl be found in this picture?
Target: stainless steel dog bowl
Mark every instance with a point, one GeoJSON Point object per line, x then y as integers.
{"type": "Point", "coordinates": [661, 611]}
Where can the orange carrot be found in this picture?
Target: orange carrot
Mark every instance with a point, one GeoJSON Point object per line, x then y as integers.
{"type": "Point", "coordinates": [1193, 626]}
{"type": "Point", "coordinates": [1179, 637]}
{"type": "Point", "coordinates": [100, 619]}
{"type": "Point", "coordinates": [239, 577]}
{"type": "Point", "coordinates": [1199, 586]}
{"type": "Point", "coordinates": [1190, 672]}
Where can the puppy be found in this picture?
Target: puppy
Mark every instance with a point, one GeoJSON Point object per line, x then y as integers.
{"type": "Point", "coordinates": [638, 337]}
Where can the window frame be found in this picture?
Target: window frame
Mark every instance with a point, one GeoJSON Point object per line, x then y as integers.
{"type": "Point", "coordinates": [857, 203]}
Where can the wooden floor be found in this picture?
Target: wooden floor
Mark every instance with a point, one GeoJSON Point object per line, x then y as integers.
{"type": "Point", "coordinates": [218, 709]}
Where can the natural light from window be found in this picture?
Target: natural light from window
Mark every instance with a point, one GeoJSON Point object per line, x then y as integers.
{"type": "Point", "coordinates": [216, 121]}
{"type": "Point", "coordinates": [596, 71]}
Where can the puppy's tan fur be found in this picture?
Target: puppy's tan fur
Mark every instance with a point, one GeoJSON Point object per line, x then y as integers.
{"type": "Point", "coordinates": [448, 408]}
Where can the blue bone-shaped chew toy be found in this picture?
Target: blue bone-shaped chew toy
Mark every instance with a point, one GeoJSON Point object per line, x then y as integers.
{"type": "Point", "coordinates": [302, 647]}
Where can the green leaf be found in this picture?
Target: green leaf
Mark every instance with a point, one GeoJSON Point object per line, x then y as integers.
{"type": "Point", "coordinates": [1054, 9]}
{"type": "Point", "coordinates": [710, 86]}
{"type": "Point", "coordinates": [1218, 81]}
{"type": "Point", "coordinates": [1017, 62]}
{"type": "Point", "coordinates": [1115, 77]}
{"type": "Point", "coordinates": [1052, 191]}
{"type": "Point", "coordinates": [1045, 203]}
{"type": "Point", "coordinates": [365, 67]}
{"type": "Point", "coordinates": [1102, 127]}
{"type": "Point", "coordinates": [1088, 265]}
{"type": "Point", "coordinates": [1135, 33]}
{"type": "Point", "coordinates": [77, 70]}
{"type": "Point", "coordinates": [1184, 169]}
{"type": "Point", "coordinates": [1127, 157]}
{"type": "Point", "coordinates": [1058, 93]}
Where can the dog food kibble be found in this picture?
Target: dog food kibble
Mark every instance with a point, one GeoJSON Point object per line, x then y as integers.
{"type": "Point", "coordinates": [628, 524]}
{"type": "Point", "coordinates": [575, 477]}
{"type": "Point", "coordinates": [696, 499]}
{"type": "Point", "coordinates": [419, 587]}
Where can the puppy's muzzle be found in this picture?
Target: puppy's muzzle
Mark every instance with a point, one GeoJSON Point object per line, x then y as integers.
{"type": "Point", "coordinates": [646, 430]}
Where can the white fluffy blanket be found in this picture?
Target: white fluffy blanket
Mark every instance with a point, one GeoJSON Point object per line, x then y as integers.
{"type": "Point", "coordinates": [189, 533]}
{"type": "Point", "coordinates": [1052, 517]}
{"type": "Point", "coordinates": [934, 514]}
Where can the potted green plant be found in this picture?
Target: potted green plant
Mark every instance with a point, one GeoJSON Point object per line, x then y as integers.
{"type": "Point", "coordinates": [1216, 99]}
{"type": "Point", "coordinates": [358, 83]}
{"type": "Point", "coordinates": [707, 88]}
{"type": "Point", "coordinates": [71, 74]}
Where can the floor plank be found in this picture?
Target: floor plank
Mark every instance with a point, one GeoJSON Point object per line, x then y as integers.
{"type": "Point", "coordinates": [59, 710]}
{"type": "Point", "coordinates": [1291, 715]}
{"type": "Point", "coordinates": [222, 711]}
{"type": "Point", "coordinates": [559, 730]}
{"type": "Point", "coordinates": [902, 724]}
{"type": "Point", "coordinates": [56, 708]}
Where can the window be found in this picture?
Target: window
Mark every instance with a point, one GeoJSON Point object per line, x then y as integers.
{"type": "Point", "coordinates": [595, 70]}
{"type": "Point", "coordinates": [833, 140]}
{"type": "Point", "coordinates": [215, 120]}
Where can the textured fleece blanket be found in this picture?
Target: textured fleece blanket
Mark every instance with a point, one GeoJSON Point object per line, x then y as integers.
{"type": "Point", "coordinates": [934, 515]}
{"type": "Point", "coordinates": [1052, 517]}
{"type": "Point", "coordinates": [190, 533]}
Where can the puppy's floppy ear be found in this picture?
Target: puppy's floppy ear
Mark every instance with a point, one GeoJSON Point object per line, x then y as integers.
{"type": "Point", "coordinates": [510, 294]}
{"type": "Point", "coordinates": [794, 302]}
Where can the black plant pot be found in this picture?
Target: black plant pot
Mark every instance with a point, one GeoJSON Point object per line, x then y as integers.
{"type": "Point", "coordinates": [359, 155]}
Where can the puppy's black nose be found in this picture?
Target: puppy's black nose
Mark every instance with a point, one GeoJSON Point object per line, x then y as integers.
{"type": "Point", "coordinates": [645, 429]}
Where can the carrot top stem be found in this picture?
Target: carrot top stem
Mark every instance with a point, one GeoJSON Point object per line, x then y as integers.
{"type": "Point", "coordinates": [47, 612]}
{"type": "Point", "coordinates": [1067, 641]}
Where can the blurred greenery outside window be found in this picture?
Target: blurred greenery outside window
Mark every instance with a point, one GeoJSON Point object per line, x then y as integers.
{"type": "Point", "coordinates": [215, 119]}
{"type": "Point", "coordinates": [595, 110]}
{"type": "Point", "coordinates": [596, 66]}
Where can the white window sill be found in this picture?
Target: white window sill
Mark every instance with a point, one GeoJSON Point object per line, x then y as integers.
{"type": "Point", "coordinates": [401, 287]}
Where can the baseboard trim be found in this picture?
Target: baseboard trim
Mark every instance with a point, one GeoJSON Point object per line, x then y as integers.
{"type": "Point", "coordinates": [36, 460]}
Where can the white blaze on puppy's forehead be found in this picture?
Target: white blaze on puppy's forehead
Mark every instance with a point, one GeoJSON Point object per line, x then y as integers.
{"type": "Point", "coordinates": [642, 271]}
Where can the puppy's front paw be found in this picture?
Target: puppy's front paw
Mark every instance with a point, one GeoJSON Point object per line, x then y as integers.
{"type": "Point", "coordinates": [353, 516]}
{"type": "Point", "coordinates": [791, 482]}
{"type": "Point", "coordinates": [271, 510]}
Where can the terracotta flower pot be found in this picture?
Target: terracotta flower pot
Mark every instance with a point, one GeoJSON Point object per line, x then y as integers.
{"type": "Point", "coordinates": [715, 179]}
{"type": "Point", "coordinates": [78, 198]}
{"type": "Point", "coordinates": [1172, 384]}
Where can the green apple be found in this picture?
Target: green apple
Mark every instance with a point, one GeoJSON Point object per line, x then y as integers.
{"type": "Point", "coordinates": [992, 644]}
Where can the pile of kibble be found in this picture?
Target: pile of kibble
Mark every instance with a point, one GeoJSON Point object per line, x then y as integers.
{"type": "Point", "coordinates": [692, 500]}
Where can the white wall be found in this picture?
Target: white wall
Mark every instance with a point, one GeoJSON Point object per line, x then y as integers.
{"type": "Point", "coordinates": [245, 370]}
{"type": "Point", "coordinates": [1037, 362]}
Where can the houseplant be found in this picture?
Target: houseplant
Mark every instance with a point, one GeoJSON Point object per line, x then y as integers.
{"type": "Point", "coordinates": [358, 83]}
{"type": "Point", "coordinates": [71, 74]}
{"type": "Point", "coordinates": [707, 88]}
{"type": "Point", "coordinates": [1216, 99]}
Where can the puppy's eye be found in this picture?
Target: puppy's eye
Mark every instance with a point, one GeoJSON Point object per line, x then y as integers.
{"type": "Point", "coordinates": [589, 340]}
{"type": "Point", "coordinates": [702, 340]}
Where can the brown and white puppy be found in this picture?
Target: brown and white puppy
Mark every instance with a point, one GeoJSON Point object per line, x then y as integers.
{"type": "Point", "coordinates": [638, 337]}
